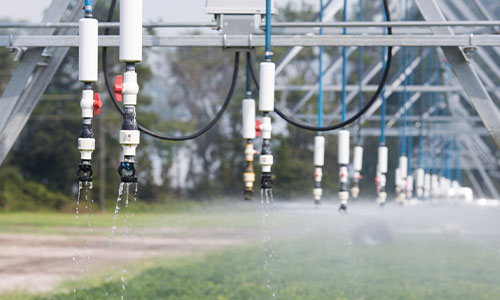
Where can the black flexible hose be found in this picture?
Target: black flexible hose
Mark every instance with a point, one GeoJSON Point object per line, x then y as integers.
{"type": "Point", "coordinates": [359, 113]}
{"type": "Point", "coordinates": [157, 134]}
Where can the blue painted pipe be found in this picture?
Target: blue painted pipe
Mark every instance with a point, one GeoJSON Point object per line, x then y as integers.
{"type": "Point", "coordinates": [88, 6]}
{"type": "Point", "coordinates": [344, 64]}
{"type": "Point", "coordinates": [360, 71]}
{"type": "Point", "coordinates": [320, 76]}
{"type": "Point", "coordinates": [268, 30]}
{"type": "Point", "coordinates": [382, 94]}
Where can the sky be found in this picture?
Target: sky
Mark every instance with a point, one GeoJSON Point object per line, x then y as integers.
{"type": "Point", "coordinates": [154, 10]}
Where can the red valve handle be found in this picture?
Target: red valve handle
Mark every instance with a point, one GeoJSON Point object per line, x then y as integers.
{"type": "Point", "coordinates": [97, 104]}
{"type": "Point", "coordinates": [118, 88]}
{"type": "Point", "coordinates": [257, 128]}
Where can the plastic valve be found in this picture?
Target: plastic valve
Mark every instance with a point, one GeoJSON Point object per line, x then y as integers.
{"type": "Point", "coordinates": [118, 88]}
{"type": "Point", "coordinates": [257, 128]}
{"type": "Point", "coordinates": [97, 103]}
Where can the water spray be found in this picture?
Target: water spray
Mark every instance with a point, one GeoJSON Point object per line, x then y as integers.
{"type": "Point", "coordinates": [249, 132]}
{"type": "Point", "coordinates": [90, 102]}
{"type": "Point", "coordinates": [126, 87]}
{"type": "Point", "coordinates": [266, 106]}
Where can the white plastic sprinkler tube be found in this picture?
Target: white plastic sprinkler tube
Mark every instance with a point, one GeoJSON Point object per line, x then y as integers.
{"type": "Point", "coordinates": [266, 91]}
{"type": "Point", "coordinates": [88, 50]}
{"type": "Point", "coordinates": [398, 179]}
{"type": "Point", "coordinates": [420, 178]}
{"type": "Point", "coordinates": [343, 160]}
{"type": "Point", "coordinates": [427, 185]}
{"type": "Point", "coordinates": [358, 158]}
{"type": "Point", "coordinates": [319, 161]}
{"type": "Point", "coordinates": [88, 74]}
{"type": "Point", "coordinates": [434, 185]}
{"type": "Point", "coordinates": [131, 30]}
{"type": "Point", "coordinates": [248, 111]}
{"type": "Point", "coordinates": [403, 166]}
{"type": "Point", "coordinates": [319, 151]}
{"type": "Point", "coordinates": [383, 154]}
{"type": "Point", "coordinates": [409, 186]}
{"type": "Point", "coordinates": [343, 147]}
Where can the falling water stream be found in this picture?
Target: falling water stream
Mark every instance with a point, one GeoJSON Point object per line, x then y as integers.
{"type": "Point", "coordinates": [269, 226]}
{"type": "Point", "coordinates": [82, 257]}
{"type": "Point", "coordinates": [122, 204]}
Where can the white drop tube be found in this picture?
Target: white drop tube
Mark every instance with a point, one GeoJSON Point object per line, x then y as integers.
{"type": "Point", "coordinates": [266, 92]}
{"type": "Point", "coordinates": [131, 30]}
{"type": "Point", "coordinates": [420, 178]}
{"type": "Point", "coordinates": [88, 50]}
{"type": "Point", "coordinates": [248, 111]}
{"type": "Point", "coordinates": [403, 166]}
{"type": "Point", "coordinates": [358, 158]}
{"type": "Point", "coordinates": [398, 178]}
{"type": "Point", "coordinates": [409, 184]}
{"type": "Point", "coordinates": [319, 151]}
{"type": "Point", "coordinates": [427, 185]}
{"type": "Point", "coordinates": [343, 147]}
{"type": "Point", "coordinates": [383, 153]}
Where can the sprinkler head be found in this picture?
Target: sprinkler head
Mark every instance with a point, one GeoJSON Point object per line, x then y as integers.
{"type": "Point", "coordinates": [248, 195]}
{"type": "Point", "coordinates": [317, 203]}
{"type": "Point", "coordinates": [343, 209]}
{"type": "Point", "coordinates": [127, 172]}
{"type": "Point", "coordinates": [84, 171]}
{"type": "Point", "coordinates": [266, 181]}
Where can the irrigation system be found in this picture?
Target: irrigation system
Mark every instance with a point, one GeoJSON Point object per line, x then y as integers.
{"type": "Point", "coordinates": [455, 97]}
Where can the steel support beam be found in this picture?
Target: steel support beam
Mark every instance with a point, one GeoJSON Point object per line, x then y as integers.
{"type": "Point", "coordinates": [473, 86]}
{"type": "Point", "coordinates": [32, 76]}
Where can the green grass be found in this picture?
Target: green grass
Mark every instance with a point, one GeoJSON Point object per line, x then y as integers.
{"type": "Point", "coordinates": [323, 267]}
{"type": "Point", "coordinates": [57, 222]}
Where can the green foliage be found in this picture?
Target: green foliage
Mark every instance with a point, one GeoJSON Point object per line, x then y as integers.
{"type": "Point", "coordinates": [17, 193]}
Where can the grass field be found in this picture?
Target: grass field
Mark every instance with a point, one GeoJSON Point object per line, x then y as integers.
{"type": "Point", "coordinates": [397, 253]}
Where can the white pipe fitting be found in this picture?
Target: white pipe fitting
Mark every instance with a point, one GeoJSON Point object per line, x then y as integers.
{"type": "Point", "coordinates": [266, 128]}
{"type": "Point", "coordinates": [409, 186]}
{"type": "Point", "coordinates": [398, 179]}
{"type": "Point", "coordinates": [249, 152]}
{"type": "Point", "coordinates": [248, 112]}
{"type": "Point", "coordinates": [358, 158]}
{"type": "Point", "coordinates": [129, 139]}
{"type": "Point", "coordinates": [88, 50]}
{"type": "Point", "coordinates": [317, 193]}
{"type": "Point", "coordinates": [87, 104]}
{"type": "Point", "coordinates": [130, 88]}
{"type": "Point", "coordinates": [86, 147]}
{"type": "Point", "coordinates": [343, 174]}
{"type": "Point", "coordinates": [319, 151]}
{"type": "Point", "coordinates": [343, 147]}
{"type": "Point", "coordinates": [383, 153]}
{"type": "Point", "coordinates": [266, 92]}
{"type": "Point", "coordinates": [266, 161]}
{"type": "Point", "coordinates": [130, 30]}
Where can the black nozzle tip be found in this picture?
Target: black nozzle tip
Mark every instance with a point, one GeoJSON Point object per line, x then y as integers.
{"type": "Point", "coordinates": [248, 195]}
{"type": "Point", "coordinates": [84, 172]}
{"type": "Point", "coordinates": [266, 181]}
{"type": "Point", "coordinates": [317, 203]}
{"type": "Point", "coordinates": [343, 208]}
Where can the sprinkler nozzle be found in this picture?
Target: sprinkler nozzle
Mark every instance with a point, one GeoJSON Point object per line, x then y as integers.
{"type": "Point", "coordinates": [127, 172]}
{"type": "Point", "coordinates": [248, 195]}
{"type": "Point", "coordinates": [84, 171]}
{"type": "Point", "coordinates": [343, 208]}
{"type": "Point", "coordinates": [266, 181]}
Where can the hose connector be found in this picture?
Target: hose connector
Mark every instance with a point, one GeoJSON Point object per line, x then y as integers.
{"type": "Point", "coordinates": [249, 175]}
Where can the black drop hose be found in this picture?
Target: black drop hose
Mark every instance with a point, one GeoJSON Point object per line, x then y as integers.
{"type": "Point", "coordinates": [159, 135]}
{"type": "Point", "coordinates": [360, 112]}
